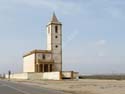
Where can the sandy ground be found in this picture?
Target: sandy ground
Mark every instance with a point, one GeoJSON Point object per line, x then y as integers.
{"type": "Point", "coordinates": [82, 86]}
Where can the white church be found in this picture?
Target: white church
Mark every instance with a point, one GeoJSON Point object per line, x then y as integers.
{"type": "Point", "coordinates": [46, 64]}
{"type": "Point", "coordinates": [50, 59]}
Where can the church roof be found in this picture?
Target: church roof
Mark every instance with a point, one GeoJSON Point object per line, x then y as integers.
{"type": "Point", "coordinates": [54, 18]}
{"type": "Point", "coordinates": [36, 51]}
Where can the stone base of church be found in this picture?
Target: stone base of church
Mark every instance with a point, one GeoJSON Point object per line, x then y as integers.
{"type": "Point", "coordinates": [45, 75]}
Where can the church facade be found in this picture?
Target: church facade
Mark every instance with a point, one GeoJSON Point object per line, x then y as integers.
{"type": "Point", "coordinates": [49, 60]}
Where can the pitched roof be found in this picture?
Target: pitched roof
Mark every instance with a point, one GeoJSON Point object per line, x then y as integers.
{"type": "Point", "coordinates": [54, 18]}
{"type": "Point", "coordinates": [36, 51]}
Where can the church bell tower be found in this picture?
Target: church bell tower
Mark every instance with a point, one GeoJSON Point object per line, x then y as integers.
{"type": "Point", "coordinates": [54, 41]}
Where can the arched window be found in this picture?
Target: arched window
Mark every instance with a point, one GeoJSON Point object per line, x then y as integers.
{"type": "Point", "coordinates": [56, 29]}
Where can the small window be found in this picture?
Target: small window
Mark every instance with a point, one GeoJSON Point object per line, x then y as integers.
{"type": "Point", "coordinates": [56, 29]}
{"type": "Point", "coordinates": [56, 37]}
{"type": "Point", "coordinates": [56, 46]}
{"type": "Point", "coordinates": [44, 57]}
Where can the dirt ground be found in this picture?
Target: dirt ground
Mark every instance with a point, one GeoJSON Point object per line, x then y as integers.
{"type": "Point", "coordinates": [82, 86]}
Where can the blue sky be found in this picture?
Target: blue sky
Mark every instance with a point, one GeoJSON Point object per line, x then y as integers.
{"type": "Point", "coordinates": [93, 33]}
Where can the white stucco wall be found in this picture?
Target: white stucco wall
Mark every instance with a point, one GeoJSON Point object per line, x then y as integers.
{"type": "Point", "coordinates": [35, 76]}
{"type": "Point", "coordinates": [66, 74]}
{"type": "Point", "coordinates": [18, 76]}
{"type": "Point", "coordinates": [29, 63]}
{"type": "Point", "coordinates": [46, 75]}
{"type": "Point", "coordinates": [70, 74]}
{"type": "Point", "coordinates": [52, 76]}
{"type": "Point", "coordinates": [75, 75]}
{"type": "Point", "coordinates": [49, 37]}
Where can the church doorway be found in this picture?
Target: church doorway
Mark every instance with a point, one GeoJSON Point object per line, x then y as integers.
{"type": "Point", "coordinates": [41, 67]}
{"type": "Point", "coordinates": [45, 67]}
